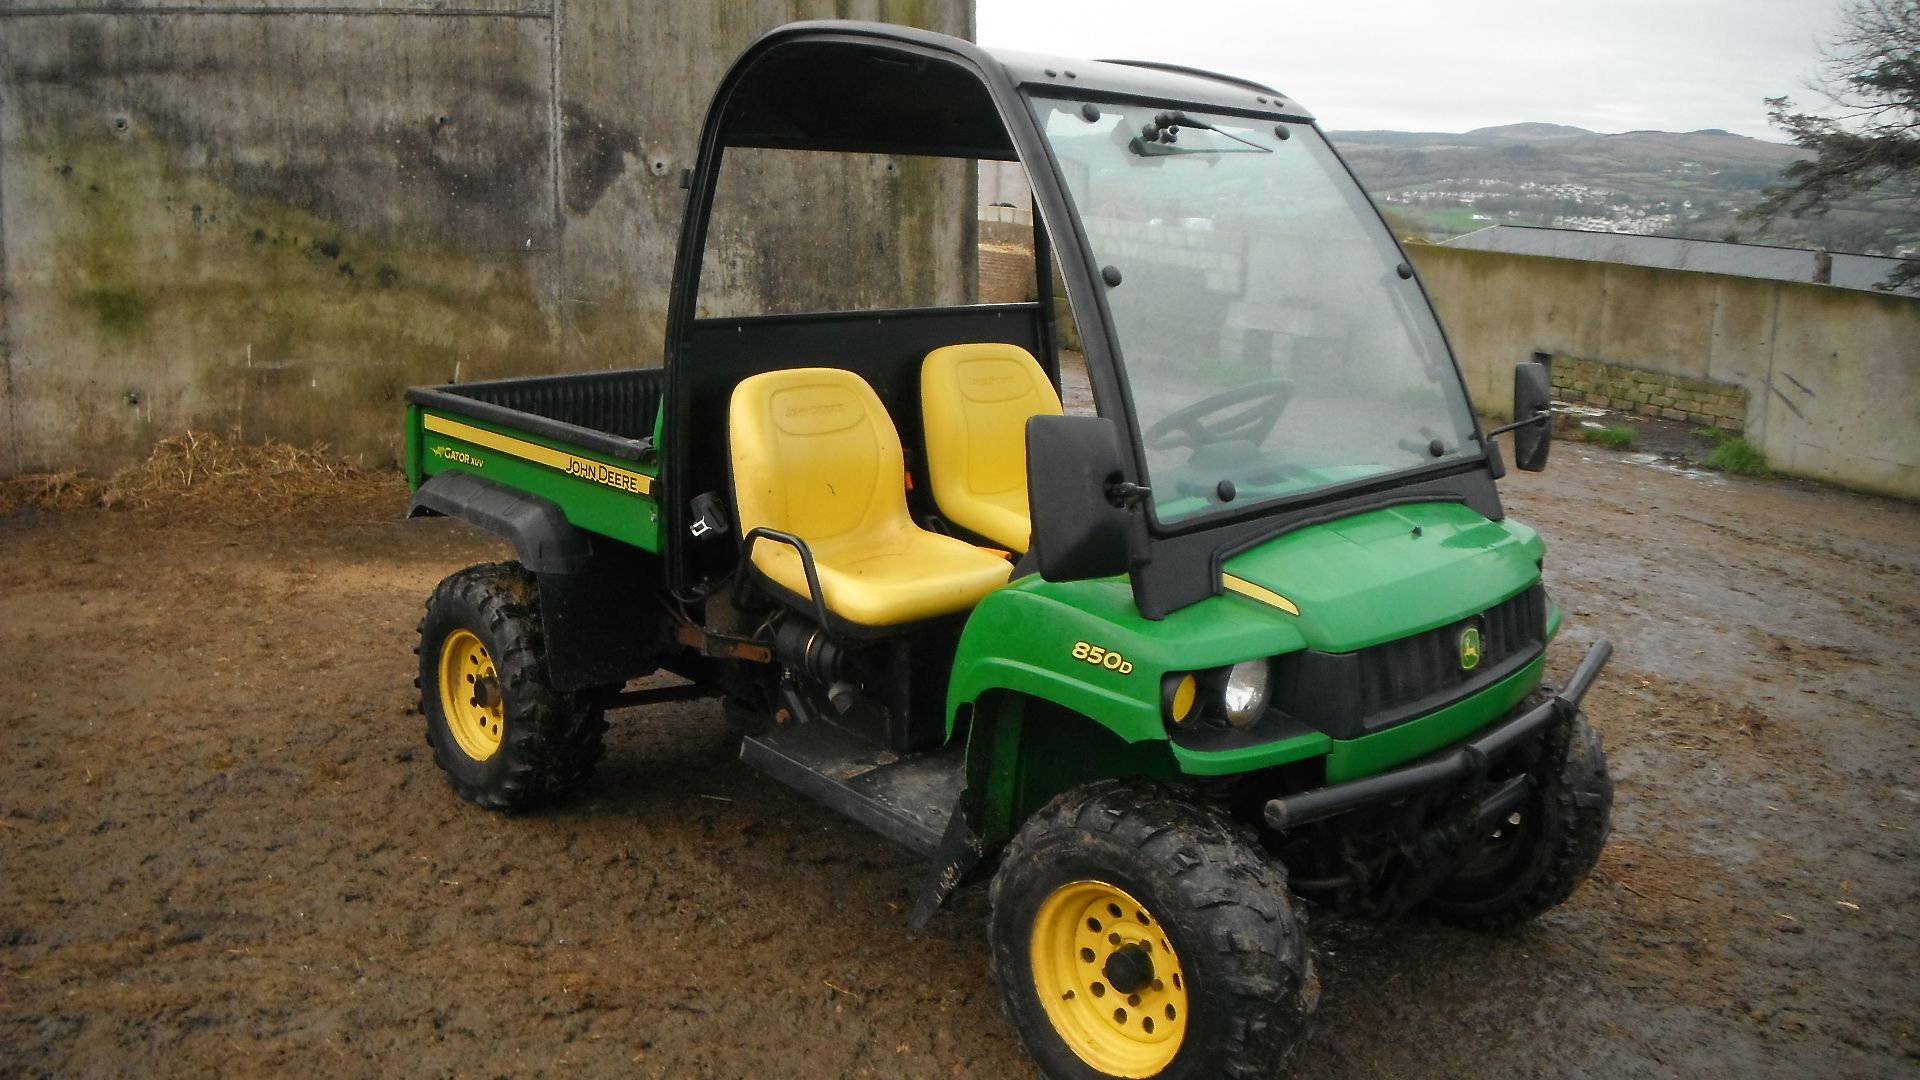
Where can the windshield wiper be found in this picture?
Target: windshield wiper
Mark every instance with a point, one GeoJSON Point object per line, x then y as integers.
{"type": "Point", "coordinates": [1158, 135]}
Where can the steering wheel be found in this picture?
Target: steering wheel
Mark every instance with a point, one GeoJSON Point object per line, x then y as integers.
{"type": "Point", "coordinates": [1263, 402]}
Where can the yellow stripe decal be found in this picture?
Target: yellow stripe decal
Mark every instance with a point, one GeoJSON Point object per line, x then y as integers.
{"type": "Point", "coordinates": [1256, 592]}
{"type": "Point", "coordinates": [584, 468]}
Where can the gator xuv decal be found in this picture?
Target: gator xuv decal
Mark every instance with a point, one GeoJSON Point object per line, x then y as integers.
{"type": "Point", "coordinates": [585, 468]}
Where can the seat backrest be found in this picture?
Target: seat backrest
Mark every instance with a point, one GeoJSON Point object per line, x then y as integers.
{"type": "Point", "coordinates": [814, 453]}
{"type": "Point", "coordinates": [975, 400]}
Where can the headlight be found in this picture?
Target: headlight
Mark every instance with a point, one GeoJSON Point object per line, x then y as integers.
{"type": "Point", "coordinates": [1244, 696]}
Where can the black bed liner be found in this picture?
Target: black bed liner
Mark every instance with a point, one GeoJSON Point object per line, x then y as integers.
{"type": "Point", "coordinates": [609, 411]}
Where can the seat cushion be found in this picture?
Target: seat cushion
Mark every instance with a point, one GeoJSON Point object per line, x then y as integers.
{"type": "Point", "coordinates": [975, 400]}
{"type": "Point", "coordinates": [815, 454]}
{"type": "Point", "coordinates": [909, 576]}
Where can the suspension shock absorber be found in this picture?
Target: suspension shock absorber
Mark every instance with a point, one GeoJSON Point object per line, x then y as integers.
{"type": "Point", "coordinates": [805, 647]}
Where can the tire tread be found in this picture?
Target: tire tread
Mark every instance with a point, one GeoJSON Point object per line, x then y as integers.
{"type": "Point", "coordinates": [1209, 868]}
{"type": "Point", "coordinates": [552, 739]}
{"type": "Point", "coordinates": [1577, 803]}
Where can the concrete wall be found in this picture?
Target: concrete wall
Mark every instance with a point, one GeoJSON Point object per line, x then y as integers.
{"type": "Point", "coordinates": [1832, 375]}
{"type": "Point", "coordinates": [268, 220]}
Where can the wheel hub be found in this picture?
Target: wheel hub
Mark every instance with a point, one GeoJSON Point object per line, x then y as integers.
{"type": "Point", "coordinates": [486, 693]}
{"type": "Point", "coordinates": [471, 698]}
{"type": "Point", "coordinates": [1109, 979]}
{"type": "Point", "coordinates": [1129, 968]}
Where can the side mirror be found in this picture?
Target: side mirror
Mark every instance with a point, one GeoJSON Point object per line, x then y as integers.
{"type": "Point", "coordinates": [1533, 422]}
{"type": "Point", "coordinates": [1078, 532]}
{"type": "Point", "coordinates": [1532, 425]}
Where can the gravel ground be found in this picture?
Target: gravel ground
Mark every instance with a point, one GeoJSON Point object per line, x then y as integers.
{"type": "Point", "coordinates": [224, 848]}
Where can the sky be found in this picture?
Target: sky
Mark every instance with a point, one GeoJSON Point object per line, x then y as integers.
{"type": "Point", "coordinates": [1455, 65]}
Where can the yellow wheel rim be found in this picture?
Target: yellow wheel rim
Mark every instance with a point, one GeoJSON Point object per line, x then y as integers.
{"type": "Point", "coordinates": [470, 695]}
{"type": "Point", "coordinates": [1109, 979]}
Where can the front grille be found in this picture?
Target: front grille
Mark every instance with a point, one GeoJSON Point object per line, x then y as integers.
{"type": "Point", "coordinates": [1399, 673]}
{"type": "Point", "coordinates": [1351, 694]}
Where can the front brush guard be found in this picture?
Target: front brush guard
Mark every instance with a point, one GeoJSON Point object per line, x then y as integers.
{"type": "Point", "coordinates": [1467, 762]}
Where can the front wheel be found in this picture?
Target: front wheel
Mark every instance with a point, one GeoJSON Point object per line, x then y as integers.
{"type": "Point", "coordinates": [1539, 854]}
{"type": "Point", "coordinates": [504, 736]}
{"type": "Point", "coordinates": [1137, 934]}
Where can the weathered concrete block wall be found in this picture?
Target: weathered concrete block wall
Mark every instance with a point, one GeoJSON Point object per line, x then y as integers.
{"type": "Point", "coordinates": [270, 220]}
{"type": "Point", "coordinates": [1831, 376]}
{"type": "Point", "coordinates": [1650, 393]}
{"type": "Point", "coordinates": [1006, 273]}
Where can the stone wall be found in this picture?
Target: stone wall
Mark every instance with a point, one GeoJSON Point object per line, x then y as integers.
{"type": "Point", "coordinates": [1650, 393]}
{"type": "Point", "coordinates": [268, 220]}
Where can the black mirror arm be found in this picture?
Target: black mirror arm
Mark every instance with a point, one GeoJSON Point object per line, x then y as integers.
{"type": "Point", "coordinates": [1537, 418]}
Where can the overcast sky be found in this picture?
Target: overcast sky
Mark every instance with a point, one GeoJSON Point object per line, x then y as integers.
{"type": "Point", "coordinates": [1454, 65]}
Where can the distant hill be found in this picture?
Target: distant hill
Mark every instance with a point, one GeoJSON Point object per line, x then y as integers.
{"type": "Point", "coordinates": [1673, 183]}
{"type": "Point", "coordinates": [1529, 131]}
{"type": "Point", "coordinates": [1486, 136]}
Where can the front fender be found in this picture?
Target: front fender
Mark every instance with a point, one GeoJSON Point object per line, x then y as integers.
{"type": "Point", "coordinates": [1057, 641]}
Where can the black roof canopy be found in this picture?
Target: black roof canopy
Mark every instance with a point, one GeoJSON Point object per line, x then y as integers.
{"type": "Point", "coordinates": [863, 98]}
{"type": "Point", "coordinates": [879, 88]}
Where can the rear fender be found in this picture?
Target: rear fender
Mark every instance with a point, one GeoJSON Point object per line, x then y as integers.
{"type": "Point", "coordinates": [599, 625]}
{"type": "Point", "coordinates": [543, 539]}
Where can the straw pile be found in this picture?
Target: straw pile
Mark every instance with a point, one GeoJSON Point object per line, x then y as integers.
{"type": "Point", "coordinates": [202, 475]}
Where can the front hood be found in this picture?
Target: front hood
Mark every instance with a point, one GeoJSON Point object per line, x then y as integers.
{"type": "Point", "coordinates": [1384, 574]}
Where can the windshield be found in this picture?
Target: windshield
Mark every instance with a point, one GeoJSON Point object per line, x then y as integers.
{"type": "Point", "coordinates": [1270, 345]}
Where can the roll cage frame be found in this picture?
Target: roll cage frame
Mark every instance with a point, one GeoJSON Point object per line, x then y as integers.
{"type": "Point", "coordinates": [814, 86]}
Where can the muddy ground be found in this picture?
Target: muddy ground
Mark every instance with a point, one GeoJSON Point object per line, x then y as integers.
{"type": "Point", "coordinates": [224, 847]}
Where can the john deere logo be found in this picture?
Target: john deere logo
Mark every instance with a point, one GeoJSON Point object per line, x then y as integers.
{"type": "Point", "coordinates": [1469, 648]}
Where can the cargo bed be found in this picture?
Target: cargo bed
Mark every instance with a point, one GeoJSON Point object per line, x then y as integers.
{"type": "Point", "coordinates": [584, 442]}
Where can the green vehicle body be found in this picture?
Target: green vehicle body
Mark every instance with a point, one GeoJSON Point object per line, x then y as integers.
{"type": "Point", "coordinates": [1054, 680]}
{"type": "Point", "coordinates": [474, 446]}
{"type": "Point", "coordinates": [1020, 640]}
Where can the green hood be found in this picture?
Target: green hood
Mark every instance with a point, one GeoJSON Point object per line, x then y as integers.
{"type": "Point", "coordinates": [1388, 573]}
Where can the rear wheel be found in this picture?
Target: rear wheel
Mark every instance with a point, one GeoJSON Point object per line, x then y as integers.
{"type": "Point", "coordinates": [1540, 853]}
{"type": "Point", "coordinates": [1137, 934]}
{"type": "Point", "coordinates": [504, 736]}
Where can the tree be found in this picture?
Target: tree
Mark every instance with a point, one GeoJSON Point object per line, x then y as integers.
{"type": "Point", "coordinates": [1868, 140]}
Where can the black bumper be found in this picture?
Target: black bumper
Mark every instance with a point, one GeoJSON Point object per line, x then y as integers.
{"type": "Point", "coordinates": [1464, 762]}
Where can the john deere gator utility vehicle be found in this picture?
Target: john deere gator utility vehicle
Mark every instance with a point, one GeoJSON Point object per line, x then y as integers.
{"type": "Point", "coordinates": [1258, 631]}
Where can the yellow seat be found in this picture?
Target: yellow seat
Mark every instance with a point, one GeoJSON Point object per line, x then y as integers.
{"type": "Point", "coordinates": [814, 454]}
{"type": "Point", "coordinates": [975, 401]}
